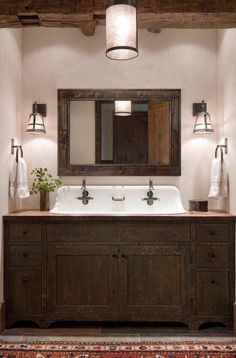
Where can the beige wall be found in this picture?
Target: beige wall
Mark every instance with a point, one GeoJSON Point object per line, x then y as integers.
{"type": "Point", "coordinates": [64, 58]}
{"type": "Point", "coordinates": [227, 106]}
{"type": "Point", "coordinates": [10, 115]}
{"type": "Point", "coordinates": [227, 109]}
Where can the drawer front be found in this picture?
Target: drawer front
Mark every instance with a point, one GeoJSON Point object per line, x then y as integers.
{"type": "Point", "coordinates": [25, 295]}
{"type": "Point", "coordinates": [25, 255]}
{"type": "Point", "coordinates": [215, 232]}
{"type": "Point", "coordinates": [119, 232]}
{"type": "Point", "coordinates": [25, 232]}
{"type": "Point", "coordinates": [212, 256]}
{"type": "Point", "coordinates": [213, 293]}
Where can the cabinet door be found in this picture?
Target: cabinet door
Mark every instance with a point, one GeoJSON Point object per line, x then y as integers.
{"type": "Point", "coordinates": [154, 283]}
{"type": "Point", "coordinates": [82, 280]}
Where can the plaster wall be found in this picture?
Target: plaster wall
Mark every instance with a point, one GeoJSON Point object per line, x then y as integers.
{"type": "Point", "coordinates": [10, 117]}
{"type": "Point", "coordinates": [65, 58]}
{"type": "Point", "coordinates": [227, 107]}
{"type": "Point", "coordinates": [226, 75]}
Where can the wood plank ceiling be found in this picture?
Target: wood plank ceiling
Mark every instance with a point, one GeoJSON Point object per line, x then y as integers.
{"type": "Point", "coordinates": [87, 14]}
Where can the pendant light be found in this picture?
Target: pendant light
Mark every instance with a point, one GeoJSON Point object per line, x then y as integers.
{"type": "Point", "coordinates": [121, 30]}
{"type": "Point", "coordinates": [203, 123]}
{"type": "Point", "coordinates": [123, 108]}
{"type": "Point", "coordinates": [36, 119]}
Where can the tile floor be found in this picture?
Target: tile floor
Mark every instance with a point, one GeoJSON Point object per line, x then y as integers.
{"type": "Point", "coordinates": [117, 334]}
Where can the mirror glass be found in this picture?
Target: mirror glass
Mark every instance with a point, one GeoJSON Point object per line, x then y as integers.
{"type": "Point", "coordinates": [93, 139]}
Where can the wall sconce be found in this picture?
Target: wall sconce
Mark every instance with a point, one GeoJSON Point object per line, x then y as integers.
{"type": "Point", "coordinates": [123, 108]}
{"type": "Point", "coordinates": [36, 119]}
{"type": "Point", "coordinates": [203, 123]}
{"type": "Point", "coordinates": [121, 29]}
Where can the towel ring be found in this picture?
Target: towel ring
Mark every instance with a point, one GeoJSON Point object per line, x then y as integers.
{"type": "Point", "coordinates": [17, 152]}
{"type": "Point", "coordinates": [221, 152]}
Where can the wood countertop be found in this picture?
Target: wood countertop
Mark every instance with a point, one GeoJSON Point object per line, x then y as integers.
{"type": "Point", "coordinates": [47, 216]}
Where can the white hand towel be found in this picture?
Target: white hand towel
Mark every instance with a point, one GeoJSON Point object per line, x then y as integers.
{"type": "Point", "coordinates": [12, 177]}
{"type": "Point", "coordinates": [224, 181]}
{"type": "Point", "coordinates": [22, 190]}
{"type": "Point", "coordinates": [215, 178]}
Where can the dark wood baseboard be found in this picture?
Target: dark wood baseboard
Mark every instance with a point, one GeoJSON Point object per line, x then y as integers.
{"type": "Point", "coordinates": [2, 316]}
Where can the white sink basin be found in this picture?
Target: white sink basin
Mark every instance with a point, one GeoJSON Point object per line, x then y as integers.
{"type": "Point", "coordinates": [118, 200]}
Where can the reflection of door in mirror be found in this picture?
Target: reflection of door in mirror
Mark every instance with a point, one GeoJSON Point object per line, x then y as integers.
{"type": "Point", "coordinates": [159, 117]}
{"type": "Point", "coordinates": [98, 136]}
{"type": "Point", "coordinates": [121, 139]}
{"type": "Point", "coordinates": [142, 138]}
{"type": "Point", "coordinates": [130, 138]}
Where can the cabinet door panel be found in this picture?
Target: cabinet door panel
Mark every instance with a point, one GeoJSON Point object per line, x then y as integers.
{"type": "Point", "coordinates": [82, 279]}
{"type": "Point", "coordinates": [155, 282]}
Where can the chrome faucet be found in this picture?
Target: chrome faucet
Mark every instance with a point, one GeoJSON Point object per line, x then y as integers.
{"type": "Point", "coordinates": [83, 187]}
{"type": "Point", "coordinates": [85, 194]}
{"type": "Point", "coordinates": [151, 184]}
{"type": "Point", "coordinates": [150, 198]}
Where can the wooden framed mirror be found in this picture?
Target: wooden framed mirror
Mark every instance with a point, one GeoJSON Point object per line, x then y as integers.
{"type": "Point", "coordinates": [93, 140]}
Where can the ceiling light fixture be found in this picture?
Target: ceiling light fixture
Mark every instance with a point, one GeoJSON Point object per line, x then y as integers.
{"type": "Point", "coordinates": [121, 30]}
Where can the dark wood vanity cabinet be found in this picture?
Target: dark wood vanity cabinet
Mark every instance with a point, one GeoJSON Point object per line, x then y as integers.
{"type": "Point", "coordinates": [163, 269]}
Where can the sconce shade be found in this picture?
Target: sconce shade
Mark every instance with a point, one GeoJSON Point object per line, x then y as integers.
{"type": "Point", "coordinates": [121, 30]}
{"type": "Point", "coordinates": [123, 108]}
{"type": "Point", "coordinates": [36, 121]}
{"type": "Point", "coordinates": [203, 123]}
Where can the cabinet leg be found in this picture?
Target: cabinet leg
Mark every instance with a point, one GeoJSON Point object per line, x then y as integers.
{"type": "Point", "coordinates": [193, 325]}
{"type": "Point", "coordinates": [43, 324]}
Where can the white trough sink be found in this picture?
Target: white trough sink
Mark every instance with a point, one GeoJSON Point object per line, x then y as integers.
{"type": "Point", "coordinates": [118, 200]}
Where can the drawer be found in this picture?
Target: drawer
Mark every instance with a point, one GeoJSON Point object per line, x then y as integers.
{"type": "Point", "coordinates": [212, 293]}
{"type": "Point", "coordinates": [25, 232]}
{"type": "Point", "coordinates": [212, 256]}
{"type": "Point", "coordinates": [119, 232]}
{"type": "Point", "coordinates": [25, 292]}
{"type": "Point", "coordinates": [215, 232]}
{"type": "Point", "coordinates": [25, 255]}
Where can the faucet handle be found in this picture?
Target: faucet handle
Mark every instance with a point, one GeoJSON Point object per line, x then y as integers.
{"type": "Point", "coordinates": [83, 184]}
{"type": "Point", "coordinates": [151, 184]}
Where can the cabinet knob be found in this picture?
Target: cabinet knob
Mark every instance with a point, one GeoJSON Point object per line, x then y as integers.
{"type": "Point", "coordinates": [25, 232]}
{"type": "Point", "coordinates": [124, 256]}
{"type": "Point", "coordinates": [213, 255]}
{"type": "Point", "coordinates": [212, 233]}
{"type": "Point", "coordinates": [114, 256]}
{"type": "Point", "coordinates": [213, 282]}
{"type": "Point", "coordinates": [25, 254]}
{"type": "Point", "coordinates": [24, 279]}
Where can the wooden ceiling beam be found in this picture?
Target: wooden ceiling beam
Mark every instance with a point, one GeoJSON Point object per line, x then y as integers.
{"type": "Point", "coordinates": [152, 14]}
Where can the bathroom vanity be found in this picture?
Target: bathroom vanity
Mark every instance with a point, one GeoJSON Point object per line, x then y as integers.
{"type": "Point", "coordinates": [172, 268]}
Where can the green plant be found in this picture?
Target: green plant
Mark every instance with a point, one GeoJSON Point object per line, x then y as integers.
{"type": "Point", "coordinates": [44, 181]}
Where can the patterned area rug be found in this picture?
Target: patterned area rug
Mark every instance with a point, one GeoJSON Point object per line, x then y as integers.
{"type": "Point", "coordinates": [118, 350]}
